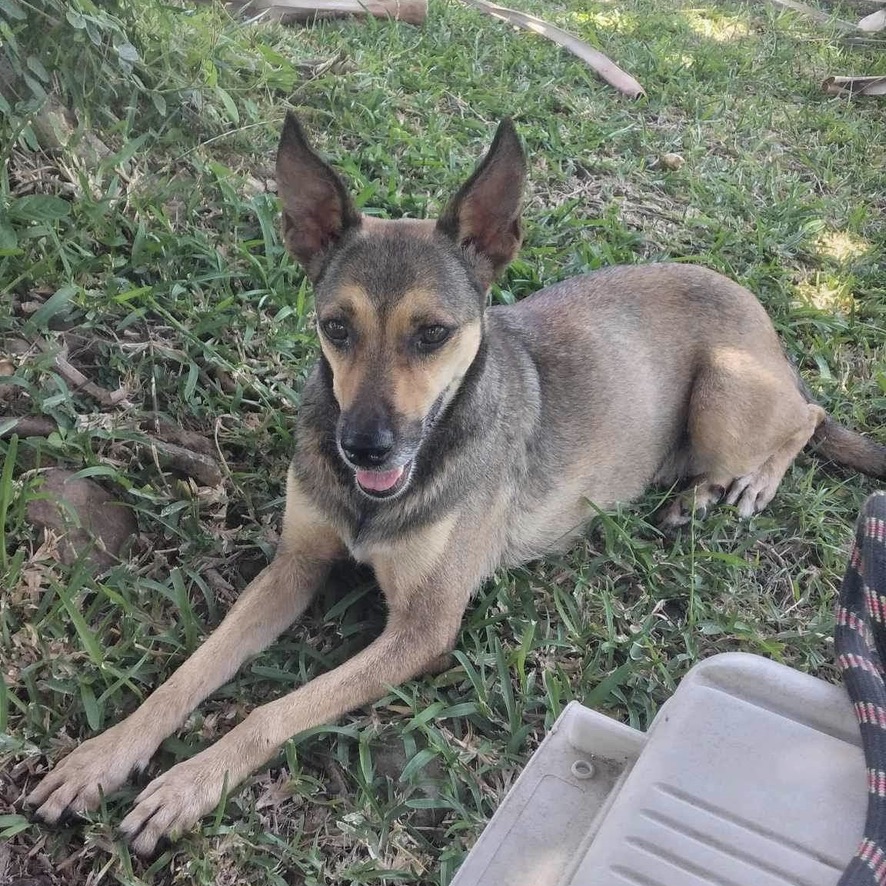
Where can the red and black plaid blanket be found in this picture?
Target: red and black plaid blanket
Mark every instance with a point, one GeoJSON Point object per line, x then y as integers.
{"type": "Point", "coordinates": [860, 641]}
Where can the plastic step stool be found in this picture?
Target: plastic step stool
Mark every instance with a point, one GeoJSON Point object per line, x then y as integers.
{"type": "Point", "coordinates": [752, 774]}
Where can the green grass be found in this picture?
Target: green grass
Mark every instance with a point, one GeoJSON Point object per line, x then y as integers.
{"type": "Point", "coordinates": [161, 270]}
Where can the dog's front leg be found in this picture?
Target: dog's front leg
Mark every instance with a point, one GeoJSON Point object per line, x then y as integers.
{"type": "Point", "coordinates": [265, 608]}
{"type": "Point", "coordinates": [421, 630]}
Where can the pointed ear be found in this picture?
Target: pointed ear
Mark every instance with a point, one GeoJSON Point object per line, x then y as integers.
{"type": "Point", "coordinates": [316, 207]}
{"type": "Point", "coordinates": [484, 216]}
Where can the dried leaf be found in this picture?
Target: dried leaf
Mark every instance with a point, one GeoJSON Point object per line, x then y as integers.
{"type": "Point", "coordinates": [876, 21]}
{"type": "Point", "coordinates": [85, 515]}
{"type": "Point", "coordinates": [596, 60]}
{"type": "Point", "coordinates": [853, 86]}
{"type": "Point", "coordinates": [815, 14]}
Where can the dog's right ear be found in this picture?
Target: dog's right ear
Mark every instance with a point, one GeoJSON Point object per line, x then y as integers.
{"type": "Point", "coordinates": [316, 207]}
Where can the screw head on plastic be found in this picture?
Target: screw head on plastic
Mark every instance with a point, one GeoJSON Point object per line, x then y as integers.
{"type": "Point", "coordinates": [583, 769]}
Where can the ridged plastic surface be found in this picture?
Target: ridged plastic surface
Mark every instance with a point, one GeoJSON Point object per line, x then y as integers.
{"type": "Point", "coordinates": [751, 775]}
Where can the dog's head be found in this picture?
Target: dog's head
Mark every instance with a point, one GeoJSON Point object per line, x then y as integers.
{"type": "Point", "coordinates": [399, 303]}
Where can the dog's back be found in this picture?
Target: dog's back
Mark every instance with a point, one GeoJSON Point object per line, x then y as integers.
{"type": "Point", "coordinates": [619, 355]}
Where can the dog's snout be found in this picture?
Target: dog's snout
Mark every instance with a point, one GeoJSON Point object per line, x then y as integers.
{"type": "Point", "coordinates": [368, 449]}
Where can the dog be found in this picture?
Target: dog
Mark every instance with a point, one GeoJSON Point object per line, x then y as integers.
{"type": "Point", "coordinates": [439, 440]}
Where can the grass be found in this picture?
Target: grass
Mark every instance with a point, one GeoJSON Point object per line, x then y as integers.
{"type": "Point", "coordinates": [161, 271]}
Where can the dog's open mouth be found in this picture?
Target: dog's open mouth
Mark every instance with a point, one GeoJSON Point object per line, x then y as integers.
{"type": "Point", "coordinates": [383, 484]}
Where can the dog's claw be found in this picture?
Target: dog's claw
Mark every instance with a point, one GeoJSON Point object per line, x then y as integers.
{"type": "Point", "coordinates": [76, 785]}
{"type": "Point", "coordinates": [693, 502]}
{"type": "Point", "coordinates": [172, 803]}
{"type": "Point", "coordinates": [751, 493]}
{"type": "Point", "coordinates": [73, 787]}
{"type": "Point", "coordinates": [674, 515]}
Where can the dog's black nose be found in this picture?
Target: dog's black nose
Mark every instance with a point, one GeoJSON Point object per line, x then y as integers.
{"type": "Point", "coordinates": [368, 450]}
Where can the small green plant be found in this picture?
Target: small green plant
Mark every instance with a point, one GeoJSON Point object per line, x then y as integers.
{"type": "Point", "coordinates": [77, 49]}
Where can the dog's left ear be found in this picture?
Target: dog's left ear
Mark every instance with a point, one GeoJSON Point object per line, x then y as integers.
{"type": "Point", "coordinates": [317, 210]}
{"type": "Point", "coordinates": [484, 216]}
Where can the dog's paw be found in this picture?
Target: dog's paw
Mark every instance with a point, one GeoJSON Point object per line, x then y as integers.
{"type": "Point", "coordinates": [76, 784]}
{"type": "Point", "coordinates": [174, 802]}
{"type": "Point", "coordinates": [674, 515]}
{"type": "Point", "coordinates": [750, 494]}
{"type": "Point", "coordinates": [693, 503]}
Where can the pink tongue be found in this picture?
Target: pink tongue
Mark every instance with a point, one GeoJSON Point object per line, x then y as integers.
{"type": "Point", "coordinates": [379, 481]}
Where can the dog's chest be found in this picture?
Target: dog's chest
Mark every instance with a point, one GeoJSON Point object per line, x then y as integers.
{"type": "Point", "coordinates": [404, 560]}
{"type": "Point", "coordinates": [543, 531]}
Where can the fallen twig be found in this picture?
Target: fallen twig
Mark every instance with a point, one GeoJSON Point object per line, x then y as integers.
{"type": "Point", "coordinates": [28, 426]}
{"type": "Point", "coordinates": [413, 12]}
{"type": "Point", "coordinates": [596, 60]}
{"type": "Point", "coordinates": [192, 458]}
{"type": "Point", "coordinates": [80, 382]}
{"type": "Point", "coordinates": [854, 86]}
{"type": "Point", "coordinates": [876, 21]}
{"type": "Point", "coordinates": [202, 468]}
{"type": "Point", "coordinates": [158, 428]}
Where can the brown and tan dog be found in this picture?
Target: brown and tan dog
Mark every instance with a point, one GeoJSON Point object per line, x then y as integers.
{"type": "Point", "coordinates": [439, 440]}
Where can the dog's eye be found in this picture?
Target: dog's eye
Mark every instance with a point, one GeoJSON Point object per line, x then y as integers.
{"type": "Point", "coordinates": [335, 331]}
{"type": "Point", "coordinates": [430, 337]}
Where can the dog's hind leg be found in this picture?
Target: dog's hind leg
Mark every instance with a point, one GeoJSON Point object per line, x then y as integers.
{"type": "Point", "coordinates": [267, 606]}
{"type": "Point", "coordinates": [752, 492]}
{"type": "Point", "coordinates": [747, 422]}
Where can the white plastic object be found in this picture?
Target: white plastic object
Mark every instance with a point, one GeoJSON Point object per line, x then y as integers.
{"type": "Point", "coordinates": [750, 775]}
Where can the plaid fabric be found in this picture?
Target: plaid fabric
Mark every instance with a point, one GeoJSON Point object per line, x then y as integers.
{"type": "Point", "coordinates": [860, 640]}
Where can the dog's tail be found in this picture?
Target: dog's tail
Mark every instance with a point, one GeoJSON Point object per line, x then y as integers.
{"type": "Point", "coordinates": [836, 442]}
